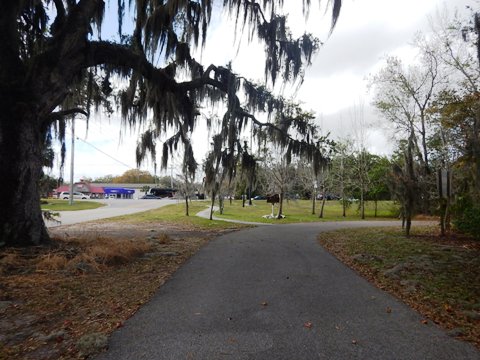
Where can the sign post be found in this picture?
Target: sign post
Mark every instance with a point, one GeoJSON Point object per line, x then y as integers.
{"type": "Point", "coordinates": [444, 193]}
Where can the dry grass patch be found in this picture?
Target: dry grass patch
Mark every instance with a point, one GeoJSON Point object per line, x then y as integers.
{"type": "Point", "coordinates": [115, 252]}
{"type": "Point", "coordinates": [9, 261]}
{"type": "Point", "coordinates": [84, 285]}
{"type": "Point", "coordinates": [52, 262]}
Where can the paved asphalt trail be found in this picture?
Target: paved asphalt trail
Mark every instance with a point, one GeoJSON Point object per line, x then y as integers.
{"type": "Point", "coordinates": [212, 307]}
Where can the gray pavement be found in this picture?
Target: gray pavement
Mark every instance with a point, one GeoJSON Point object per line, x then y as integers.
{"type": "Point", "coordinates": [112, 208]}
{"type": "Point", "coordinates": [252, 295]}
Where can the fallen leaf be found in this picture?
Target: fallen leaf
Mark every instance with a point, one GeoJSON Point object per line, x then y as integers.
{"type": "Point", "coordinates": [424, 322]}
{"type": "Point", "coordinates": [264, 303]}
{"type": "Point", "coordinates": [119, 324]}
{"type": "Point", "coordinates": [308, 325]}
{"type": "Point", "coordinates": [354, 342]}
{"type": "Point", "coordinates": [388, 310]}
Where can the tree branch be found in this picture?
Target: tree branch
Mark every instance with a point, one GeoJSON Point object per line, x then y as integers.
{"type": "Point", "coordinates": [60, 18]}
{"type": "Point", "coordinates": [121, 56]}
{"type": "Point", "coordinates": [59, 115]}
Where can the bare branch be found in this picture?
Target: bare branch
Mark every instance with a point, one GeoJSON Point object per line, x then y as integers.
{"type": "Point", "coordinates": [59, 115]}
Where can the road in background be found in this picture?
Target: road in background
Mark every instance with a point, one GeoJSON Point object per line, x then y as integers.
{"type": "Point", "coordinates": [113, 207]}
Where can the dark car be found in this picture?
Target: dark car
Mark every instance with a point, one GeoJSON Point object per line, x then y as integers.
{"type": "Point", "coordinates": [260, 197]}
{"type": "Point", "coordinates": [328, 197]}
{"type": "Point", "coordinates": [150, 196]}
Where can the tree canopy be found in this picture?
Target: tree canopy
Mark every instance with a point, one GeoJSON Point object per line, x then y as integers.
{"type": "Point", "coordinates": [54, 64]}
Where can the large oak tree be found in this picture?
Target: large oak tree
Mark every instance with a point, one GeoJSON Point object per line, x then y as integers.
{"type": "Point", "coordinates": [54, 64]}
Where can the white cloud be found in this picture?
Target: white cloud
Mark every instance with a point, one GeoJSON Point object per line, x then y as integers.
{"type": "Point", "coordinates": [365, 32]}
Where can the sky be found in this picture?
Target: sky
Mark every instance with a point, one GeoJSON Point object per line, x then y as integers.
{"type": "Point", "coordinates": [334, 88]}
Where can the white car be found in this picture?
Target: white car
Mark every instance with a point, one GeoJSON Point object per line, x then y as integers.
{"type": "Point", "coordinates": [65, 195]}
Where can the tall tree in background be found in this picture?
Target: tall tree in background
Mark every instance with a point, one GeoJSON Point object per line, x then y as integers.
{"type": "Point", "coordinates": [341, 173]}
{"type": "Point", "coordinates": [281, 175]}
{"type": "Point", "coordinates": [278, 156]}
{"type": "Point", "coordinates": [361, 158]}
{"type": "Point", "coordinates": [54, 64]}
{"type": "Point", "coordinates": [403, 94]}
{"type": "Point", "coordinates": [134, 176]}
{"type": "Point", "coordinates": [458, 106]}
{"type": "Point", "coordinates": [379, 175]}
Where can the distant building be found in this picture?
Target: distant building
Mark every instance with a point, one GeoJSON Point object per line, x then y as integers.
{"type": "Point", "coordinates": [100, 192]}
{"type": "Point", "coordinates": [95, 192]}
{"type": "Point", "coordinates": [118, 193]}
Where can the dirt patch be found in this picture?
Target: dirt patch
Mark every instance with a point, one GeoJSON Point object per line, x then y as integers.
{"type": "Point", "coordinates": [85, 284]}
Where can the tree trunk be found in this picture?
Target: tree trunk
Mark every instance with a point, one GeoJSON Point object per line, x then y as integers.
{"type": "Point", "coordinates": [280, 207]}
{"type": "Point", "coordinates": [322, 207]}
{"type": "Point", "coordinates": [221, 202]}
{"type": "Point", "coordinates": [186, 205]}
{"type": "Point", "coordinates": [408, 225]}
{"type": "Point", "coordinates": [313, 201]}
{"type": "Point", "coordinates": [21, 151]}
{"type": "Point", "coordinates": [362, 205]}
{"type": "Point", "coordinates": [410, 183]}
{"type": "Point", "coordinates": [212, 205]}
{"type": "Point", "coordinates": [476, 153]}
{"type": "Point", "coordinates": [443, 209]}
{"type": "Point", "coordinates": [376, 206]}
{"type": "Point", "coordinates": [424, 145]}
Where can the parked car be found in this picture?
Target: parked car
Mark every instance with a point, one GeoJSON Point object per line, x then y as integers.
{"type": "Point", "coordinates": [328, 197]}
{"type": "Point", "coordinates": [260, 197]}
{"type": "Point", "coordinates": [150, 196]}
{"type": "Point", "coordinates": [65, 195]}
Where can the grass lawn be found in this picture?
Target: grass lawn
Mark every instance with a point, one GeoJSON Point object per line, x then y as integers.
{"type": "Point", "coordinates": [439, 277]}
{"type": "Point", "coordinates": [63, 205]}
{"type": "Point", "coordinates": [175, 213]}
{"type": "Point", "coordinates": [301, 211]}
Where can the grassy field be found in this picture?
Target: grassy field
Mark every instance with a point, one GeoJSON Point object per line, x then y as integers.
{"type": "Point", "coordinates": [301, 211]}
{"type": "Point", "coordinates": [175, 213]}
{"type": "Point", "coordinates": [437, 276]}
{"type": "Point", "coordinates": [63, 205]}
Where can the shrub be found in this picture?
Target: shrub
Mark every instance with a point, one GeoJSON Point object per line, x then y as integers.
{"type": "Point", "coordinates": [467, 217]}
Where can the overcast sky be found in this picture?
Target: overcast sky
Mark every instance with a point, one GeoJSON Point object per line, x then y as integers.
{"type": "Point", "coordinates": [366, 31]}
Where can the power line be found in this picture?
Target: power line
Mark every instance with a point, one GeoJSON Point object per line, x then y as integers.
{"type": "Point", "coordinates": [103, 152]}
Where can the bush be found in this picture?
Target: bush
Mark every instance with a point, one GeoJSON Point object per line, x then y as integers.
{"type": "Point", "coordinates": [467, 217]}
